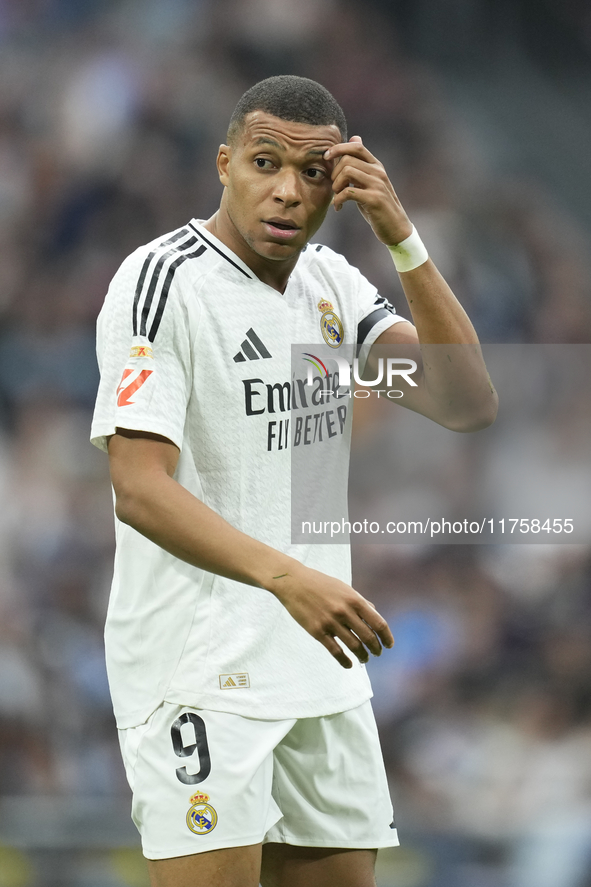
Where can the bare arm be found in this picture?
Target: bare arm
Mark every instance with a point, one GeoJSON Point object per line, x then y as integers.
{"type": "Point", "coordinates": [453, 388]}
{"type": "Point", "coordinates": [453, 385]}
{"type": "Point", "coordinates": [153, 503]}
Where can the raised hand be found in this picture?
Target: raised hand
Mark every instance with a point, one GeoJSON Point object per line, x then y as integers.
{"type": "Point", "coordinates": [359, 176]}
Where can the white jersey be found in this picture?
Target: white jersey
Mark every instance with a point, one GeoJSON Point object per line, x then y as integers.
{"type": "Point", "coordinates": [194, 347]}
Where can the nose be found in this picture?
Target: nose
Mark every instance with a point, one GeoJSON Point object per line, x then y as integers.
{"type": "Point", "coordinates": [287, 188]}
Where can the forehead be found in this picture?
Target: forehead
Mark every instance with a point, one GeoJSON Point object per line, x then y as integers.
{"type": "Point", "coordinates": [261, 128]}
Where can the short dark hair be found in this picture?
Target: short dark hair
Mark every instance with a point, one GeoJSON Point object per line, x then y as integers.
{"type": "Point", "coordinates": [291, 98]}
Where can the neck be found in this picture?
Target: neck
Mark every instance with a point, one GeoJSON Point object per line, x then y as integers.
{"type": "Point", "coordinates": [275, 273]}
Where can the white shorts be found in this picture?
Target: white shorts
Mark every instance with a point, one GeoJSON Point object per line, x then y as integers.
{"type": "Point", "coordinates": [204, 780]}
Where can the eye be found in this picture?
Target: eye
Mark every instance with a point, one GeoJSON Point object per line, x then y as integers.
{"type": "Point", "coordinates": [315, 173]}
{"type": "Point", "coordinates": [263, 162]}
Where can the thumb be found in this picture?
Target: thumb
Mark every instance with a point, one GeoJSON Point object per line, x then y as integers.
{"type": "Point", "coordinates": [356, 139]}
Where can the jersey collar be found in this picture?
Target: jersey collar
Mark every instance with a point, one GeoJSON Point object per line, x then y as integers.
{"type": "Point", "coordinates": [212, 241]}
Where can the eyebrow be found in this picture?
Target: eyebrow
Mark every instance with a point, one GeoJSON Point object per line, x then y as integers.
{"type": "Point", "coordinates": [263, 140]}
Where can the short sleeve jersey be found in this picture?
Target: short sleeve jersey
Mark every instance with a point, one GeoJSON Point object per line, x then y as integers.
{"type": "Point", "coordinates": [193, 346]}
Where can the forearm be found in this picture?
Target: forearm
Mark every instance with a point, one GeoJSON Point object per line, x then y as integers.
{"type": "Point", "coordinates": [437, 314]}
{"type": "Point", "coordinates": [166, 513]}
{"type": "Point", "coordinates": [154, 504]}
{"type": "Point", "coordinates": [456, 383]}
{"type": "Point", "coordinates": [454, 389]}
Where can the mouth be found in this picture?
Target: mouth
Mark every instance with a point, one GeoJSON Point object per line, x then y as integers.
{"type": "Point", "coordinates": [282, 229]}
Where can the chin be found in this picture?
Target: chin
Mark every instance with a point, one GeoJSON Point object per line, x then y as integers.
{"type": "Point", "coordinates": [278, 251]}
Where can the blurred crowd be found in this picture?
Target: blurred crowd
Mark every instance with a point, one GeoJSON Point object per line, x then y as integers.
{"type": "Point", "coordinates": [110, 117]}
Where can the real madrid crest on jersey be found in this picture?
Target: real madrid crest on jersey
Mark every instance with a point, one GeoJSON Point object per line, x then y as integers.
{"type": "Point", "coordinates": [201, 817]}
{"type": "Point", "coordinates": [330, 324]}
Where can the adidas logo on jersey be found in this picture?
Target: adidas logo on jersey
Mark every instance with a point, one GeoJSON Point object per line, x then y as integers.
{"type": "Point", "coordinates": [247, 347]}
{"type": "Point", "coordinates": [234, 681]}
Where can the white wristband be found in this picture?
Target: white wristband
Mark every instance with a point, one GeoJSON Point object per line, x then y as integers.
{"type": "Point", "coordinates": [409, 253]}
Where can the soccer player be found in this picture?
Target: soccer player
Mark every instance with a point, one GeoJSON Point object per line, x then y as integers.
{"type": "Point", "coordinates": [244, 720]}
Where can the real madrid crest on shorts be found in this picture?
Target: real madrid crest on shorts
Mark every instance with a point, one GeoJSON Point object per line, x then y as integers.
{"type": "Point", "coordinates": [330, 324]}
{"type": "Point", "coordinates": [201, 817]}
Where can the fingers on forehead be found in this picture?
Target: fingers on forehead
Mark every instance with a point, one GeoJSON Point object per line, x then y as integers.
{"type": "Point", "coordinates": [349, 148]}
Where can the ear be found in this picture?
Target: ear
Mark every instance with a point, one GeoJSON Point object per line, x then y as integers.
{"type": "Point", "coordinates": [223, 163]}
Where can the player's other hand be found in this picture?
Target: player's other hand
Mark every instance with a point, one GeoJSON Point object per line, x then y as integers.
{"type": "Point", "coordinates": [328, 609]}
{"type": "Point", "coordinates": [359, 176]}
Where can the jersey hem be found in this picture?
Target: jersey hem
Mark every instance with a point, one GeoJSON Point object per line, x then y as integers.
{"type": "Point", "coordinates": [190, 699]}
{"type": "Point", "coordinates": [267, 711]}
